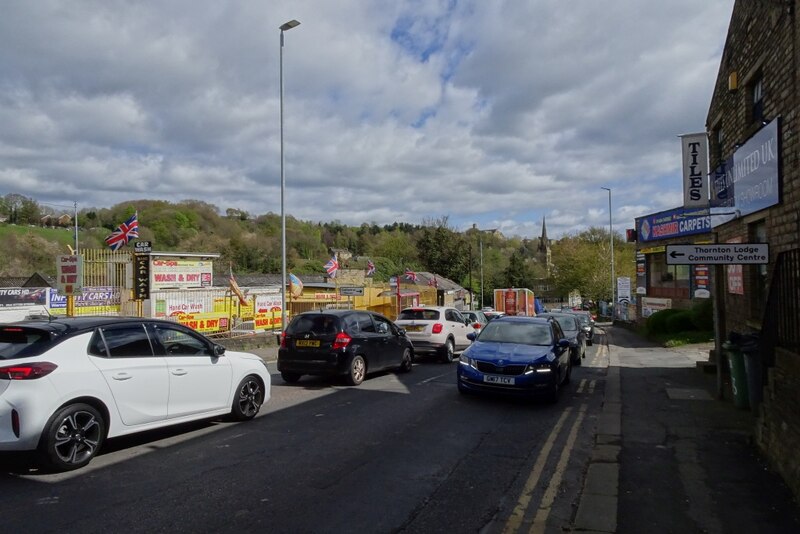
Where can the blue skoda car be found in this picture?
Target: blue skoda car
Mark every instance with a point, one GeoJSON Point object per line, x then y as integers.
{"type": "Point", "coordinates": [519, 356]}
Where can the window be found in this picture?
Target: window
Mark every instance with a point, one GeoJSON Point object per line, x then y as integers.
{"type": "Point", "coordinates": [365, 323]}
{"type": "Point", "coordinates": [178, 342]}
{"type": "Point", "coordinates": [670, 278]}
{"type": "Point", "coordinates": [757, 99]}
{"type": "Point", "coordinates": [758, 273]}
{"type": "Point", "coordinates": [381, 325]}
{"type": "Point", "coordinates": [718, 140]}
{"type": "Point", "coordinates": [129, 341]}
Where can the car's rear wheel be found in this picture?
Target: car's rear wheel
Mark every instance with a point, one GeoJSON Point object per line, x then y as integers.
{"type": "Point", "coordinates": [357, 370]}
{"type": "Point", "coordinates": [290, 378]}
{"type": "Point", "coordinates": [72, 437]}
{"type": "Point", "coordinates": [448, 352]}
{"type": "Point", "coordinates": [407, 362]}
{"type": "Point", "coordinates": [248, 399]}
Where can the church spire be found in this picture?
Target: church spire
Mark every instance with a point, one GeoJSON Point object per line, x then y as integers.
{"type": "Point", "coordinates": [544, 243]}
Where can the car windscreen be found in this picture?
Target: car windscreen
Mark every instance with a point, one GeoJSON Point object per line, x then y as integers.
{"type": "Point", "coordinates": [524, 333]}
{"type": "Point", "coordinates": [317, 324]}
{"type": "Point", "coordinates": [419, 315]}
{"type": "Point", "coordinates": [21, 342]}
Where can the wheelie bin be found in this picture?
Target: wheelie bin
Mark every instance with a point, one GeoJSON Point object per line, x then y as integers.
{"type": "Point", "coordinates": [741, 396]}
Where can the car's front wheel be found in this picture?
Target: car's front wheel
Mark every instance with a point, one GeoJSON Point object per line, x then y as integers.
{"type": "Point", "coordinates": [72, 437]}
{"type": "Point", "coordinates": [248, 399]}
{"type": "Point", "coordinates": [357, 370]}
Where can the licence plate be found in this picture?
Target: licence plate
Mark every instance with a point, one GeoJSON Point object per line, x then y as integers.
{"type": "Point", "coordinates": [306, 343]}
{"type": "Point", "coordinates": [415, 328]}
{"type": "Point", "coordinates": [493, 379]}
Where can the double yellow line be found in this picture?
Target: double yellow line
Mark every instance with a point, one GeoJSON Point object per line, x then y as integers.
{"type": "Point", "coordinates": [516, 518]}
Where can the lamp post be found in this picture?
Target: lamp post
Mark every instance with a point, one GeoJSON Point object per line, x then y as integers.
{"type": "Point", "coordinates": [286, 26]}
{"type": "Point", "coordinates": [480, 244]}
{"type": "Point", "coordinates": [611, 238]}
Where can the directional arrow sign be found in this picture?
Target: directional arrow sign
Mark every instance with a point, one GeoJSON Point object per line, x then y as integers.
{"type": "Point", "coordinates": [720, 254]}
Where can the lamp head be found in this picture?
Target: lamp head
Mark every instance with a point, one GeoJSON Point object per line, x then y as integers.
{"type": "Point", "coordinates": [289, 25]}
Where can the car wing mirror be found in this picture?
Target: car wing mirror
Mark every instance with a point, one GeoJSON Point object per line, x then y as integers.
{"type": "Point", "coordinates": [563, 343]}
{"type": "Point", "coordinates": [219, 350]}
{"type": "Point", "coordinates": [471, 336]}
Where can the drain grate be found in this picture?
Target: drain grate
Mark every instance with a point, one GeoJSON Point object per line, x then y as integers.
{"type": "Point", "coordinates": [688, 394]}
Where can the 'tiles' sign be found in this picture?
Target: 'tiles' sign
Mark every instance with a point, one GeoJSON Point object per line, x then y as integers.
{"type": "Point", "coordinates": [719, 254]}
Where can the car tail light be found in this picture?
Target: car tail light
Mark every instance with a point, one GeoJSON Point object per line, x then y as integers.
{"type": "Point", "coordinates": [437, 328]}
{"type": "Point", "coordinates": [341, 341]}
{"type": "Point", "coordinates": [27, 371]}
{"type": "Point", "coordinates": [283, 340]}
{"type": "Point", "coordinates": [476, 326]}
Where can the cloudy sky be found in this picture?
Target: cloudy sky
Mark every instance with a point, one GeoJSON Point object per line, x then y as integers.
{"type": "Point", "coordinates": [497, 113]}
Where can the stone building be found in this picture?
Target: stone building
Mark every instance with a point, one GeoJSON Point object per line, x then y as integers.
{"type": "Point", "coordinates": [753, 130]}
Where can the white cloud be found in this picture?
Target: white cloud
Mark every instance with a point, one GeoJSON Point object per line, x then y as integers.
{"type": "Point", "coordinates": [498, 113]}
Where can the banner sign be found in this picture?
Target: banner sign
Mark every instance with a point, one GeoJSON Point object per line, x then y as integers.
{"type": "Point", "coordinates": [641, 273]}
{"type": "Point", "coordinates": [623, 290]}
{"type": "Point", "coordinates": [180, 274]}
{"type": "Point", "coordinates": [100, 297]}
{"type": "Point", "coordinates": [677, 222]}
{"type": "Point", "coordinates": [749, 181]}
{"type": "Point", "coordinates": [695, 170]}
{"type": "Point", "coordinates": [701, 285]}
{"type": "Point", "coordinates": [141, 277]}
{"type": "Point", "coordinates": [69, 274]}
{"type": "Point", "coordinates": [651, 305]}
{"type": "Point", "coordinates": [22, 296]}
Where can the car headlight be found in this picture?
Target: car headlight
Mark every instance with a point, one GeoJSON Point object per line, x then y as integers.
{"type": "Point", "coordinates": [540, 368]}
{"type": "Point", "coordinates": [466, 360]}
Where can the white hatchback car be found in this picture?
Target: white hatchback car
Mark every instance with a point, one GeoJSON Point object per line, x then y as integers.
{"type": "Point", "coordinates": [437, 330]}
{"type": "Point", "coordinates": [67, 384]}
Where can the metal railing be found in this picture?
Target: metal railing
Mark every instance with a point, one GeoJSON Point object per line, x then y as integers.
{"type": "Point", "coordinates": [780, 325]}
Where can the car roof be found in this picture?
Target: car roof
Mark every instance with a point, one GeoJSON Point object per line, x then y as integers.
{"type": "Point", "coordinates": [74, 325]}
{"type": "Point", "coordinates": [522, 318]}
{"type": "Point", "coordinates": [438, 308]}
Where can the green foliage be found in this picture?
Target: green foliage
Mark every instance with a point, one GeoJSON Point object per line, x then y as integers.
{"type": "Point", "coordinates": [657, 322]}
{"type": "Point", "coordinates": [703, 315]}
{"type": "Point", "coordinates": [679, 322]}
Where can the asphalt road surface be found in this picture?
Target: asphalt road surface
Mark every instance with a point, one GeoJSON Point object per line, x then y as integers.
{"type": "Point", "coordinates": [400, 453]}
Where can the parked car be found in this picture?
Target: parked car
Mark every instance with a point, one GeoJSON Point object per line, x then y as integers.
{"type": "Point", "coordinates": [349, 343]}
{"type": "Point", "coordinates": [571, 326]}
{"type": "Point", "coordinates": [587, 323]}
{"type": "Point", "coordinates": [519, 356]}
{"type": "Point", "coordinates": [490, 315]}
{"type": "Point", "coordinates": [437, 330]}
{"type": "Point", "coordinates": [67, 384]}
{"type": "Point", "coordinates": [477, 318]}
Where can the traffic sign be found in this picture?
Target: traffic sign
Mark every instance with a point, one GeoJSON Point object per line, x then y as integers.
{"type": "Point", "coordinates": [351, 291]}
{"type": "Point", "coordinates": [718, 254]}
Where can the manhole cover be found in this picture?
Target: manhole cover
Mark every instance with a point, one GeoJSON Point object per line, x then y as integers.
{"type": "Point", "coordinates": [688, 394]}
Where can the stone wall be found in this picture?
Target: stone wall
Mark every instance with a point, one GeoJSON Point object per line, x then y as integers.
{"type": "Point", "coordinates": [778, 427]}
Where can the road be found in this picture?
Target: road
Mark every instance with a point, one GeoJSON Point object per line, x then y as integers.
{"type": "Point", "coordinates": [400, 453]}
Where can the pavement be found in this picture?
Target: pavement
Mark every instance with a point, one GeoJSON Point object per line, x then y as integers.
{"type": "Point", "coordinates": [669, 456]}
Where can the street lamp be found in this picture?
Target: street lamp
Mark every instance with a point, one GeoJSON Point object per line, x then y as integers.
{"type": "Point", "coordinates": [611, 238]}
{"type": "Point", "coordinates": [286, 26]}
{"type": "Point", "coordinates": [480, 243]}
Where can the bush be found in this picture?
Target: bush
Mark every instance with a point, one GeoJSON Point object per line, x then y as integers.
{"type": "Point", "coordinates": [680, 322]}
{"type": "Point", "coordinates": [703, 315]}
{"type": "Point", "coordinates": [657, 323]}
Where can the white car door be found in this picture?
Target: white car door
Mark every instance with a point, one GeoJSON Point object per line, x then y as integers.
{"type": "Point", "coordinates": [457, 324]}
{"type": "Point", "coordinates": [137, 378]}
{"type": "Point", "coordinates": [199, 382]}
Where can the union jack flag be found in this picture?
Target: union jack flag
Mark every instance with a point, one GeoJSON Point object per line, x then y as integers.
{"type": "Point", "coordinates": [332, 266]}
{"type": "Point", "coordinates": [433, 282]}
{"type": "Point", "coordinates": [411, 275]}
{"type": "Point", "coordinates": [124, 233]}
{"type": "Point", "coordinates": [370, 268]}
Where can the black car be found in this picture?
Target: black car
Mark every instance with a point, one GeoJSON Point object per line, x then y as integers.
{"type": "Point", "coordinates": [351, 343]}
{"type": "Point", "coordinates": [573, 331]}
{"type": "Point", "coordinates": [587, 323]}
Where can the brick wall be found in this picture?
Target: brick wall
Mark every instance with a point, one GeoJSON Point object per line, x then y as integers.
{"type": "Point", "coordinates": [778, 428]}
{"type": "Point", "coordinates": [763, 41]}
